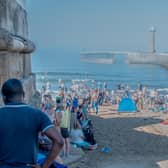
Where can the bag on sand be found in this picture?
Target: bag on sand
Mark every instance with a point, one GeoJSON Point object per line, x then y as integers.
{"type": "Point", "coordinates": [88, 133]}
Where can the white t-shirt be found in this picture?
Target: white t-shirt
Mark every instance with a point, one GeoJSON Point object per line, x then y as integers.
{"type": "Point", "coordinates": [76, 135]}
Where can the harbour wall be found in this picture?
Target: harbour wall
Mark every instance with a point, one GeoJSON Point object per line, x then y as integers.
{"type": "Point", "coordinates": [160, 59]}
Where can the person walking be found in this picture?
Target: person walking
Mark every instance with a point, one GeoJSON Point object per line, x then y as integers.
{"type": "Point", "coordinates": [20, 125]}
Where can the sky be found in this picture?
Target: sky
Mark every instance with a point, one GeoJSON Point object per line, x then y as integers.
{"type": "Point", "coordinates": [64, 28]}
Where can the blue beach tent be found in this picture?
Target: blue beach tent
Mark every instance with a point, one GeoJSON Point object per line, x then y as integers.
{"type": "Point", "coordinates": [127, 105]}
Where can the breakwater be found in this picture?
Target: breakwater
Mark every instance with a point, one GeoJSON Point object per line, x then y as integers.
{"type": "Point", "coordinates": [160, 59]}
{"type": "Point", "coordinates": [102, 58]}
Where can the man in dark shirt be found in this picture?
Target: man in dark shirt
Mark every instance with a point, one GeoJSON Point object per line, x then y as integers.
{"type": "Point", "coordinates": [20, 125]}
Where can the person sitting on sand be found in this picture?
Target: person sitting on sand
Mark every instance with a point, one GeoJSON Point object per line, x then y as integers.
{"type": "Point", "coordinates": [45, 146]}
{"type": "Point", "coordinates": [77, 137]}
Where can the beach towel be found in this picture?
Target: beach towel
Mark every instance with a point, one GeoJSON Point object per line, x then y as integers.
{"type": "Point", "coordinates": [85, 145]}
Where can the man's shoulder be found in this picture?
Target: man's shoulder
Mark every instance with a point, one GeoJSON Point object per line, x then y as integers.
{"type": "Point", "coordinates": [31, 108]}
{"type": "Point", "coordinates": [34, 110]}
{"type": "Point", "coordinates": [23, 107]}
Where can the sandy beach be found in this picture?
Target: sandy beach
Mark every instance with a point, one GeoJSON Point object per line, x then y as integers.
{"type": "Point", "coordinates": [135, 140]}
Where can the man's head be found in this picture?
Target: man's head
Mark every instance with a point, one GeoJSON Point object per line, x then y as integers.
{"type": "Point", "coordinates": [12, 91]}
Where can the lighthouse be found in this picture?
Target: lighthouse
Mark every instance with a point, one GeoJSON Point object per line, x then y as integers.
{"type": "Point", "coordinates": [152, 39]}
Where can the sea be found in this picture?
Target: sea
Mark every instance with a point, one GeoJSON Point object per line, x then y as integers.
{"type": "Point", "coordinates": [150, 76]}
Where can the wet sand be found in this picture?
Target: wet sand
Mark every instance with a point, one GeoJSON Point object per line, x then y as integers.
{"type": "Point", "coordinates": [136, 140]}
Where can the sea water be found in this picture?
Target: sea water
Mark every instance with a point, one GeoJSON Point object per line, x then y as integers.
{"type": "Point", "coordinates": [151, 76]}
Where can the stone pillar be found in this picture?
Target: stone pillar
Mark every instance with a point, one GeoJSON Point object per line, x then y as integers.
{"type": "Point", "coordinates": [15, 47]}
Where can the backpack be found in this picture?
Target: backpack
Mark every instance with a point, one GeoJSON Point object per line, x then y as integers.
{"type": "Point", "coordinates": [88, 133]}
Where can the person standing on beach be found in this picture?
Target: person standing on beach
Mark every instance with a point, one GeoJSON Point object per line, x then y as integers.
{"type": "Point", "coordinates": [58, 113]}
{"type": "Point", "coordinates": [48, 106]}
{"type": "Point", "coordinates": [95, 101]}
{"type": "Point", "coordinates": [20, 125]}
{"type": "Point", "coordinates": [65, 127]}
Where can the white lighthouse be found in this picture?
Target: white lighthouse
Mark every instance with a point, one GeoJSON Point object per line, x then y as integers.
{"type": "Point", "coordinates": [152, 39]}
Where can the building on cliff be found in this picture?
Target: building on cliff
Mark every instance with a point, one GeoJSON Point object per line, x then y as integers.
{"type": "Point", "coordinates": [15, 47]}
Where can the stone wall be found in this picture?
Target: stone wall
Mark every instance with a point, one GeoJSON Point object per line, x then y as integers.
{"type": "Point", "coordinates": [15, 47]}
{"type": "Point", "coordinates": [13, 17]}
{"type": "Point", "coordinates": [148, 58]}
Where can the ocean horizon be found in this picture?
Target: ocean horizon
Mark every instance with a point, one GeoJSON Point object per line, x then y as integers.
{"type": "Point", "coordinates": [151, 76]}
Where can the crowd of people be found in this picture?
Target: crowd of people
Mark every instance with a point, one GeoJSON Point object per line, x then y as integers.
{"type": "Point", "coordinates": [63, 119]}
{"type": "Point", "coordinates": [146, 99]}
{"type": "Point", "coordinates": [69, 112]}
{"type": "Point", "coordinates": [93, 95]}
{"type": "Point", "coordinates": [68, 108]}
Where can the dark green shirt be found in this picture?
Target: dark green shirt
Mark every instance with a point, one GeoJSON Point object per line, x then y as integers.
{"type": "Point", "coordinates": [20, 125]}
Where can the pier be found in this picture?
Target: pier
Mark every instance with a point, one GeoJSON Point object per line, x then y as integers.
{"type": "Point", "coordinates": [131, 57]}
{"type": "Point", "coordinates": [108, 57]}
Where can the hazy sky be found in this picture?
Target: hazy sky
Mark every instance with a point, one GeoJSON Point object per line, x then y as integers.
{"type": "Point", "coordinates": [87, 25]}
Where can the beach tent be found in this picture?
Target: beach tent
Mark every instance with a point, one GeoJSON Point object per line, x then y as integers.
{"type": "Point", "coordinates": [127, 105]}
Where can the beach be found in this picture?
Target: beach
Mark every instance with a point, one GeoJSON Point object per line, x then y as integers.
{"type": "Point", "coordinates": [134, 140]}
{"type": "Point", "coordinates": [127, 124]}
